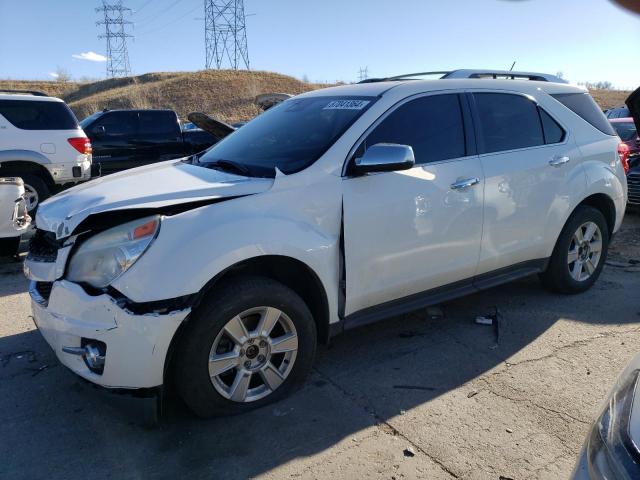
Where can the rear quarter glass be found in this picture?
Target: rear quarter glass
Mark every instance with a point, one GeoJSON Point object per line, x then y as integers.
{"type": "Point", "coordinates": [583, 105]}
{"type": "Point", "coordinates": [38, 115]}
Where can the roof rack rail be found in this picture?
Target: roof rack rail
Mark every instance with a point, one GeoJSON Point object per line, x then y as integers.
{"type": "Point", "coordinates": [29, 92]}
{"type": "Point", "coordinates": [469, 73]}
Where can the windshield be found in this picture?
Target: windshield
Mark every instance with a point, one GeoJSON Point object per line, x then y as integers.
{"type": "Point", "coordinates": [290, 136]}
{"type": "Point", "coordinates": [85, 123]}
{"type": "Point", "coordinates": [626, 130]}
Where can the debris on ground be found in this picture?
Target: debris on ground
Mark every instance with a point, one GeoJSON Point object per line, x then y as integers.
{"type": "Point", "coordinates": [414, 387]}
{"type": "Point", "coordinates": [494, 319]}
{"type": "Point", "coordinates": [508, 430]}
{"type": "Point", "coordinates": [39, 370]}
{"type": "Point", "coordinates": [409, 452]}
{"type": "Point", "coordinates": [472, 393]}
{"type": "Point", "coordinates": [484, 320]}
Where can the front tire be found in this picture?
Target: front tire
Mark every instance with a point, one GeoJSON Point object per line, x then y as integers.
{"type": "Point", "coordinates": [251, 342]}
{"type": "Point", "coordinates": [580, 252]}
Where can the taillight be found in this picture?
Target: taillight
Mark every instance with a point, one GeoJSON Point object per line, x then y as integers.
{"type": "Point", "coordinates": [81, 144]}
{"type": "Point", "coordinates": [623, 153]}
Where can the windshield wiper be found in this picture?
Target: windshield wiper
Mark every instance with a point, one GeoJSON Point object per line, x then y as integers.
{"type": "Point", "coordinates": [229, 165]}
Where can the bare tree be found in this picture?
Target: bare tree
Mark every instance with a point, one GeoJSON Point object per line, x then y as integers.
{"type": "Point", "coordinates": [62, 75]}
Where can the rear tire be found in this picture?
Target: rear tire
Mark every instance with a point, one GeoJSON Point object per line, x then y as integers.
{"type": "Point", "coordinates": [580, 252]}
{"type": "Point", "coordinates": [223, 367]}
{"type": "Point", "coordinates": [36, 191]}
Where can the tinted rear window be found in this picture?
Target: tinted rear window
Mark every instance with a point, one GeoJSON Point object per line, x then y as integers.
{"type": "Point", "coordinates": [582, 104]}
{"type": "Point", "coordinates": [508, 122]}
{"type": "Point", "coordinates": [159, 124]}
{"type": "Point", "coordinates": [38, 115]}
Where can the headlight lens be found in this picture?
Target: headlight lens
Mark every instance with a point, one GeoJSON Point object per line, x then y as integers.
{"type": "Point", "coordinates": [612, 453]}
{"type": "Point", "coordinates": [107, 255]}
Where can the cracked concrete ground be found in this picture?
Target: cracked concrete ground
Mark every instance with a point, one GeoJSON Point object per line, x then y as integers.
{"type": "Point", "coordinates": [412, 397]}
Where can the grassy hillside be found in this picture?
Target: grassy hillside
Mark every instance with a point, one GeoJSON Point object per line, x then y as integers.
{"type": "Point", "coordinates": [227, 94]}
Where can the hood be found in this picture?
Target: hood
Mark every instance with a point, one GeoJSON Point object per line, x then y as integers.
{"type": "Point", "coordinates": [156, 186]}
{"type": "Point", "coordinates": [633, 102]}
{"type": "Point", "coordinates": [216, 127]}
{"type": "Point", "coordinates": [267, 100]}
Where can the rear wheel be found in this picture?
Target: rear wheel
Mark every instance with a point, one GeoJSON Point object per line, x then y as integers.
{"type": "Point", "coordinates": [580, 252]}
{"type": "Point", "coordinates": [36, 191]}
{"type": "Point", "coordinates": [250, 343]}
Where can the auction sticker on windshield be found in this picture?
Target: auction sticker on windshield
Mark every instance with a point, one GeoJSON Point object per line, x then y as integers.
{"type": "Point", "coordinates": [346, 105]}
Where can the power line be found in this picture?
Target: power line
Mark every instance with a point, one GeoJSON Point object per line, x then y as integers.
{"type": "Point", "coordinates": [169, 24]}
{"type": "Point", "coordinates": [142, 6]}
{"type": "Point", "coordinates": [116, 35]}
{"type": "Point", "coordinates": [160, 13]}
{"type": "Point", "coordinates": [225, 34]}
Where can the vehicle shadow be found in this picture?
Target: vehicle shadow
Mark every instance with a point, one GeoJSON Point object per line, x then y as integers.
{"type": "Point", "coordinates": [55, 425]}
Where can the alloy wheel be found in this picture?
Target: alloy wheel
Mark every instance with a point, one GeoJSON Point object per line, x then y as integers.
{"type": "Point", "coordinates": [253, 354]}
{"type": "Point", "coordinates": [31, 197]}
{"type": "Point", "coordinates": [585, 251]}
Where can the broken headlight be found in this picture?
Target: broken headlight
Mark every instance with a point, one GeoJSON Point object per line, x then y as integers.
{"type": "Point", "coordinates": [612, 447]}
{"type": "Point", "coordinates": [105, 256]}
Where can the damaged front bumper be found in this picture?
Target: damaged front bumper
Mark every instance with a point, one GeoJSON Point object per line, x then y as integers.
{"type": "Point", "coordinates": [135, 345]}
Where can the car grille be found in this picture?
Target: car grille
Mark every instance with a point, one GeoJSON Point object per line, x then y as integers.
{"type": "Point", "coordinates": [633, 188]}
{"type": "Point", "coordinates": [44, 246]}
{"type": "Point", "coordinates": [44, 289]}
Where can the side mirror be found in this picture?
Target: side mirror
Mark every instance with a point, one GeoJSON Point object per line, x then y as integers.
{"type": "Point", "coordinates": [385, 157]}
{"type": "Point", "coordinates": [100, 131]}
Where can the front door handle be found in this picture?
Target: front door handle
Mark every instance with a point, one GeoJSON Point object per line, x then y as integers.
{"type": "Point", "coordinates": [466, 183]}
{"type": "Point", "coordinates": [557, 161]}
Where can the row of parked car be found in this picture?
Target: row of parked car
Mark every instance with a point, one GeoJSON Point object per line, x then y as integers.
{"type": "Point", "coordinates": [220, 272]}
{"type": "Point", "coordinates": [44, 149]}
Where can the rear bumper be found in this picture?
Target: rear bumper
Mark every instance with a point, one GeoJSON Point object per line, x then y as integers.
{"type": "Point", "coordinates": [74, 171]}
{"type": "Point", "coordinates": [136, 345]}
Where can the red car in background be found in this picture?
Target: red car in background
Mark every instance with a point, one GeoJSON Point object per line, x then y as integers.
{"type": "Point", "coordinates": [626, 129]}
{"type": "Point", "coordinates": [627, 132]}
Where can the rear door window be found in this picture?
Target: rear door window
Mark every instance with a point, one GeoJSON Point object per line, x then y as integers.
{"type": "Point", "coordinates": [38, 115]}
{"type": "Point", "coordinates": [508, 122]}
{"type": "Point", "coordinates": [431, 125]}
{"type": "Point", "coordinates": [583, 105]}
{"type": "Point", "coordinates": [158, 125]}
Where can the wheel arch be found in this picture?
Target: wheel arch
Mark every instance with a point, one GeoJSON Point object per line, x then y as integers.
{"type": "Point", "coordinates": [21, 167]}
{"type": "Point", "coordinates": [289, 271]}
{"type": "Point", "coordinates": [605, 204]}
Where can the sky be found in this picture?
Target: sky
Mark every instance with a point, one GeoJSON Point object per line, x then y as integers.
{"type": "Point", "coordinates": [331, 40]}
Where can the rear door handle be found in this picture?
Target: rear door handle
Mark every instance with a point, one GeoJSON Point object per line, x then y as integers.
{"type": "Point", "coordinates": [557, 161]}
{"type": "Point", "coordinates": [466, 183]}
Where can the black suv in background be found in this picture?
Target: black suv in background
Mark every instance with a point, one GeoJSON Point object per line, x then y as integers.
{"type": "Point", "coordinates": [124, 139]}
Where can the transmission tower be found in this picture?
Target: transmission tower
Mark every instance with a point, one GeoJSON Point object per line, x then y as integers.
{"type": "Point", "coordinates": [363, 73]}
{"type": "Point", "coordinates": [116, 35]}
{"type": "Point", "coordinates": [225, 34]}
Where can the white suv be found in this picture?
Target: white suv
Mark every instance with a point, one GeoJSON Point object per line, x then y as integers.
{"type": "Point", "coordinates": [41, 142]}
{"type": "Point", "coordinates": [334, 209]}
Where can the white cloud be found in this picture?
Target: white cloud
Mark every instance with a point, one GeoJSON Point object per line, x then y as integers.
{"type": "Point", "coordinates": [90, 56]}
{"type": "Point", "coordinates": [54, 74]}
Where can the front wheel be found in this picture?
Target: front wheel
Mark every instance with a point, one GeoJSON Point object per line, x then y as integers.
{"type": "Point", "coordinates": [580, 252]}
{"type": "Point", "coordinates": [248, 344]}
